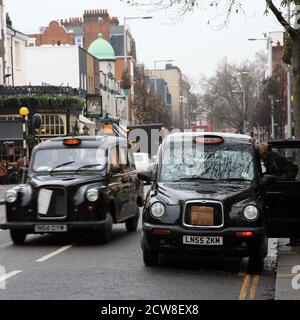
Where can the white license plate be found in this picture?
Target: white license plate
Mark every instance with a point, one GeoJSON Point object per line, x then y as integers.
{"type": "Point", "coordinates": [203, 241]}
{"type": "Point", "coordinates": [50, 228]}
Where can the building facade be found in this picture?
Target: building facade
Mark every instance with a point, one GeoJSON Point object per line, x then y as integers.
{"type": "Point", "coordinates": [83, 31]}
{"type": "Point", "coordinates": [179, 88]}
{"type": "Point", "coordinates": [15, 55]}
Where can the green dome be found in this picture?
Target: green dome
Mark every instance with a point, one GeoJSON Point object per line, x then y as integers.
{"type": "Point", "coordinates": [102, 49]}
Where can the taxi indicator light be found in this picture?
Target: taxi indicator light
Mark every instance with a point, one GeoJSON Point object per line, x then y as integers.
{"type": "Point", "coordinates": [244, 234]}
{"type": "Point", "coordinates": [162, 232]}
{"type": "Point", "coordinates": [72, 142]}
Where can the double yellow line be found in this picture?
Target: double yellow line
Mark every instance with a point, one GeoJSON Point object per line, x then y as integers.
{"type": "Point", "coordinates": [247, 284]}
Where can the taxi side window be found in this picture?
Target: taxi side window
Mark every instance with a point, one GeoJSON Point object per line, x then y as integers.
{"type": "Point", "coordinates": [282, 162]}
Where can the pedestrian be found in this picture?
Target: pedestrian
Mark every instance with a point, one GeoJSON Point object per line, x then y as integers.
{"type": "Point", "coordinates": [276, 164]}
{"type": "Point", "coordinates": [21, 163]}
{"type": "Point", "coordinates": [3, 171]}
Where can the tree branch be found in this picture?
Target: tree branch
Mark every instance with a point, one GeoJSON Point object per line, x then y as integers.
{"type": "Point", "coordinates": [281, 19]}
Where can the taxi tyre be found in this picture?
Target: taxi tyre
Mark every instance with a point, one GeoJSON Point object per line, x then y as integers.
{"type": "Point", "coordinates": [18, 236]}
{"type": "Point", "coordinates": [132, 223]}
{"type": "Point", "coordinates": [150, 257]}
{"type": "Point", "coordinates": [104, 235]}
{"type": "Point", "coordinates": [256, 259]}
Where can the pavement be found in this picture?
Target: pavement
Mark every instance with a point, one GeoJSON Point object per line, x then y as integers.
{"type": "Point", "coordinates": [288, 271]}
{"type": "Point", "coordinates": [3, 188]}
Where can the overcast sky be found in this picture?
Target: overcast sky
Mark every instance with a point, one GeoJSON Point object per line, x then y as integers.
{"type": "Point", "coordinates": [195, 46]}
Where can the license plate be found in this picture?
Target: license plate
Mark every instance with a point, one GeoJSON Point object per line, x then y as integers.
{"type": "Point", "coordinates": [50, 228]}
{"type": "Point", "coordinates": [203, 241]}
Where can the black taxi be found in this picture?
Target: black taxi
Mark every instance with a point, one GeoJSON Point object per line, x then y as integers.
{"type": "Point", "coordinates": [211, 196]}
{"type": "Point", "coordinates": [76, 183]}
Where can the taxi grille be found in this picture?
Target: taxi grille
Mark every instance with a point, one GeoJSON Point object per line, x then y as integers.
{"type": "Point", "coordinates": [203, 214]}
{"type": "Point", "coordinates": [52, 203]}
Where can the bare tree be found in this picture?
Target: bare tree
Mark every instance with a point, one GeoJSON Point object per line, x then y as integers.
{"type": "Point", "coordinates": [231, 95]}
{"type": "Point", "coordinates": [231, 6]}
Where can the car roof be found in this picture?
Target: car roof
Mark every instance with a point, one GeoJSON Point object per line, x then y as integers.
{"type": "Point", "coordinates": [228, 137]}
{"type": "Point", "coordinates": [289, 143]}
{"type": "Point", "coordinates": [102, 141]}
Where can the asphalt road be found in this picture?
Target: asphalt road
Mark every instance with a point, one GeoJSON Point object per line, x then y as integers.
{"type": "Point", "coordinates": [62, 267]}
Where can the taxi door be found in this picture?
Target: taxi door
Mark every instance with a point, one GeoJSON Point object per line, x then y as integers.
{"type": "Point", "coordinates": [283, 196]}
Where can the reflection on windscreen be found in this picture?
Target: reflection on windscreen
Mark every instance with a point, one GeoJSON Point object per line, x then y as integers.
{"type": "Point", "coordinates": [46, 160]}
{"type": "Point", "coordinates": [208, 163]}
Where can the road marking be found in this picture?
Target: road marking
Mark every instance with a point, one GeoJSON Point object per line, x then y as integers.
{"type": "Point", "coordinates": [254, 287]}
{"type": "Point", "coordinates": [244, 289]}
{"type": "Point", "coordinates": [55, 253]}
{"type": "Point", "coordinates": [8, 275]}
{"type": "Point", "coordinates": [285, 275]}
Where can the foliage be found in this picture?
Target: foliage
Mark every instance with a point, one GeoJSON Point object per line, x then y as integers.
{"type": "Point", "coordinates": [223, 93]}
{"type": "Point", "coordinates": [126, 80]}
{"type": "Point", "coordinates": [273, 88]}
{"type": "Point", "coordinates": [41, 102]}
{"type": "Point", "coordinates": [148, 107]}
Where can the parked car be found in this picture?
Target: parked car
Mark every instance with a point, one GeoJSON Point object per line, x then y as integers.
{"type": "Point", "coordinates": [142, 161]}
{"type": "Point", "coordinates": [76, 183]}
{"type": "Point", "coordinates": [211, 198]}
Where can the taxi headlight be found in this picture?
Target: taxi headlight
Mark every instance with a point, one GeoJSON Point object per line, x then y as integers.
{"type": "Point", "coordinates": [11, 196]}
{"type": "Point", "coordinates": [250, 212]}
{"type": "Point", "coordinates": [157, 210]}
{"type": "Point", "coordinates": [92, 195]}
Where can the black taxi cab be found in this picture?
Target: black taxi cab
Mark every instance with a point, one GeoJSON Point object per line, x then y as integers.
{"type": "Point", "coordinates": [76, 183]}
{"type": "Point", "coordinates": [210, 196]}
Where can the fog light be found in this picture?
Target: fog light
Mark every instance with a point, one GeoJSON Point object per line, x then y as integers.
{"type": "Point", "coordinates": [244, 234]}
{"type": "Point", "coordinates": [162, 232]}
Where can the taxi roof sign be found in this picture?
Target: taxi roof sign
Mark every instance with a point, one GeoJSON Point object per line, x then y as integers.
{"type": "Point", "coordinates": [72, 142]}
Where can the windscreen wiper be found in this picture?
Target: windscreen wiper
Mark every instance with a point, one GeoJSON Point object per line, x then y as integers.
{"type": "Point", "coordinates": [60, 165]}
{"type": "Point", "coordinates": [236, 179]}
{"type": "Point", "coordinates": [87, 166]}
{"type": "Point", "coordinates": [195, 178]}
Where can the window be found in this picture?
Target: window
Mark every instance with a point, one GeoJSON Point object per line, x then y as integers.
{"type": "Point", "coordinates": [11, 152]}
{"type": "Point", "coordinates": [53, 125]}
{"type": "Point", "coordinates": [282, 162]}
{"type": "Point", "coordinates": [79, 41]}
{"type": "Point", "coordinates": [31, 43]}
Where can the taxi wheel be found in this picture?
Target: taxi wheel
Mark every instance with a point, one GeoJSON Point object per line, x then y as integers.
{"type": "Point", "coordinates": [150, 257]}
{"type": "Point", "coordinates": [132, 223]}
{"type": "Point", "coordinates": [18, 236]}
{"type": "Point", "coordinates": [256, 262]}
{"type": "Point", "coordinates": [104, 235]}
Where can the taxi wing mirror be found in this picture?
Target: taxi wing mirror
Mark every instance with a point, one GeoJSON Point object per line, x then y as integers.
{"type": "Point", "coordinates": [146, 176]}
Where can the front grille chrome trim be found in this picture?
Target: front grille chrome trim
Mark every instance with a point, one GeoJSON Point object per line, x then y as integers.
{"type": "Point", "coordinates": [42, 217]}
{"type": "Point", "coordinates": [202, 202]}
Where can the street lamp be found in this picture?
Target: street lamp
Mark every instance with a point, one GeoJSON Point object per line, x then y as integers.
{"type": "Point", "coordinates": [24, 112]}
{"type": "Point", "coordinates": [125, 58]}
{"type": "Point", "coordinates": [244, 105]}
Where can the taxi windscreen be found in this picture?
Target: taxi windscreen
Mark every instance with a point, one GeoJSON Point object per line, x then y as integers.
{"type": "Point", "coordinates": [69, 159]}
{"type": "Point", "coordinates": [211, 162]}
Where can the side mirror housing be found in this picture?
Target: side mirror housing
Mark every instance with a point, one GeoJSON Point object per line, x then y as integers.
{"type": "Point", "coordinates": [146, 176]}
{"type": "Point", "coordinates": [267, 179]}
